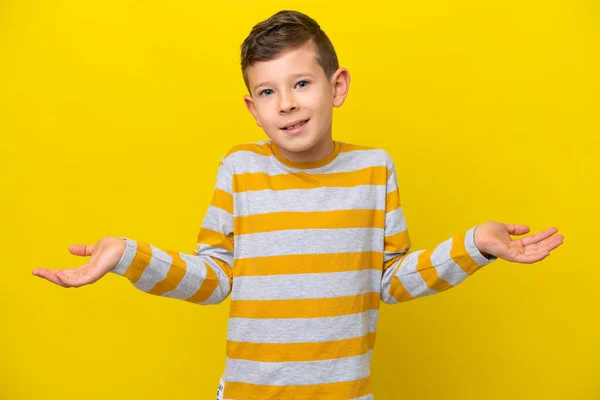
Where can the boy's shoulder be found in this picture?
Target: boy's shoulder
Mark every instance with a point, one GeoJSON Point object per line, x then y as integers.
{"type": "Point", "coordinates": [263, 148]}
{"type": "Point", "coordinates": [241, 153]}
{"type": "Point", "coordinates": [359, 149]}
{"type": "Point", "coordinates": [368, 155]}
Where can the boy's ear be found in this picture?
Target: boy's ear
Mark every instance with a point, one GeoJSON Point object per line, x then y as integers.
{"type": "Point", "coordinates": [250, 106]}
{"type": "Point", "coordinates": [340, 82]}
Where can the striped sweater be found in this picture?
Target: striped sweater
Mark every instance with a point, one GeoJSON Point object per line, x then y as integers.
{"type": "Point", "coordinates": [307, 252]}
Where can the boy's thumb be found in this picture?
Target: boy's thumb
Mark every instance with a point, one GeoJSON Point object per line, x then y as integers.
{"type": "Point", "coordinates": [82, 249]}
{"type": "Point", "coordinates": [517, 229]}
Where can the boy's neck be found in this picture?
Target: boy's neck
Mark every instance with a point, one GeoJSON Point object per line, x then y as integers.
{"type": "Point", "coordinates": [319, 151]}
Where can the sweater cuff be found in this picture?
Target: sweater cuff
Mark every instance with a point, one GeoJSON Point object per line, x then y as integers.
{"type": "Point", "coordinates": [126, 258]}
{"type": "Point", "coordinates": [474, 251]}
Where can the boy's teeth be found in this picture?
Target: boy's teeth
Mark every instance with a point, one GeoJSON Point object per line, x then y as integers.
{"type": "Point", "coordinates": [295, 126]}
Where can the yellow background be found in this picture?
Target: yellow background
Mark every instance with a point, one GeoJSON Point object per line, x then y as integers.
{"type": "Point", "coordinates": [114, 115]}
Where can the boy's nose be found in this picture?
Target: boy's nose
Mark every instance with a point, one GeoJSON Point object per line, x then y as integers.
{"type": "Point", "coordinates": [287, 103]}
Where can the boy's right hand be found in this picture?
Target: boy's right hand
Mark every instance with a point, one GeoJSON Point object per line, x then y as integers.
{"type": "Point", "coordinates": [105, 255]}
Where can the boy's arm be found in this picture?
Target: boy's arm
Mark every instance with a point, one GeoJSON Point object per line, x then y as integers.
{"type": "Point", "coordinates": [203, 277]}
{"type": "Point", "coordinates": [411, 274]}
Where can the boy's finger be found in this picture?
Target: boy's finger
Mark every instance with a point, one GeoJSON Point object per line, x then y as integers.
{"type": "Point", "coordinates": [82, 249]}
{"type": "Point", "coordinates": [552, 242]}
{"type": "Point", "coordinates": [48, 275]}
{"type": "Point", "coordinates": [517, 229]}
{"type": "Point", "coordinates": [538, 237]}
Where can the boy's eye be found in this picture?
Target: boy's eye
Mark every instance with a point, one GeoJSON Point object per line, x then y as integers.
{"type": "Point", "coordinates": [267, 92]}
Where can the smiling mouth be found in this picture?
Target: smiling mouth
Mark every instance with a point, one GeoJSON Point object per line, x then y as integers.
{"type": "Point", "coordinates": [289, 128]}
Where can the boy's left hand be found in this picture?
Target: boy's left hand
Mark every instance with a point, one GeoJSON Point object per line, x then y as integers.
{"type": "Point", "coordinates": [494, 238]}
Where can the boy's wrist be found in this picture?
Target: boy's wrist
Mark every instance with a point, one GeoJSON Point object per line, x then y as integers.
{"type": "Point", "coordinates": [129, 250]}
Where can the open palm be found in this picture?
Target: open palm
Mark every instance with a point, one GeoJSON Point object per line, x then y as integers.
{"type": "Point", "coordinates": [494, 238]}
{"type": "Point", "coordinates": [104, 256]}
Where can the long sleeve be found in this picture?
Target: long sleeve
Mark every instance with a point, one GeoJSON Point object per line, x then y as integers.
{"type": "Point", "coordinates": [203, 277]}
{"type": "Point", "coordinates": [410, 274]}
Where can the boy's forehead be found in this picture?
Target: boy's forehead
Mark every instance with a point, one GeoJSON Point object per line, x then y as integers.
{"type": "Point", "coordinates": [289, 63]}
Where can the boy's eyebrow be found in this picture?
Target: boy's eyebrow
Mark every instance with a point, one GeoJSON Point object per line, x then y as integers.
{"type": "Point", "coordinates": [268, 82]}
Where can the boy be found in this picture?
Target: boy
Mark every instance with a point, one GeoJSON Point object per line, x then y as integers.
{"type": "Point", "coordinates": [306, 233]}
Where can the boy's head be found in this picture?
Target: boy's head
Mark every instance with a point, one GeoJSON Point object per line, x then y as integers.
{"type": "Point", "coordinates": [292, 74]}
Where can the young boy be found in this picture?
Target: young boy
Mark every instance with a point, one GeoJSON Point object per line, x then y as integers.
{"type": "Point", "coordinates": [306, 233]}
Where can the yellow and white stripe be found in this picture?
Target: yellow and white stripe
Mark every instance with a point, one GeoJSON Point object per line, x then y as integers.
{"type": "Point", "coordinates": [307, 252]}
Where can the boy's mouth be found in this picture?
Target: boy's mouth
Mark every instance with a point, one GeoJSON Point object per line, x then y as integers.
{"type": "Point", "coordinates": [295, 125]}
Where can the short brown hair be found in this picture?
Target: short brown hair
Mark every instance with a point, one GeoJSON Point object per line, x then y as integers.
{"type": "Point", "coordinates": [287, 30]}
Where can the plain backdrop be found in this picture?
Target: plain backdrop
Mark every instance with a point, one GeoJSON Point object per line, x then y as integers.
{"type": "Point", "coordinates": [114, 115]}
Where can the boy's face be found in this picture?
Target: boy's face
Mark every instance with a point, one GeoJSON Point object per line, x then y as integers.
{"type": "Point", "coordinates": [294, 88]}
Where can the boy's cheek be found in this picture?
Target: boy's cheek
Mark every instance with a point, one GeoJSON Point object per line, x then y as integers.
{"type": "Point", "coordinates": [257, 118]}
